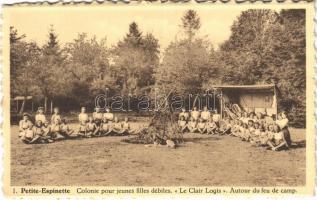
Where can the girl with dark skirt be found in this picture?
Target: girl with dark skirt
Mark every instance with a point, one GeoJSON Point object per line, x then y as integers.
{"type": "Point", "coordinates": [282, 122]}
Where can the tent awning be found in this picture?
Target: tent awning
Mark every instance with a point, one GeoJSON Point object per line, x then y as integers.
{"type": "Point", "coordinates": [20, 98]}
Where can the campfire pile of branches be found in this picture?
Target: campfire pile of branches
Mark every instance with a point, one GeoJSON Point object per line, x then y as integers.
{"type": "Point", "coordinates": [161, 128]}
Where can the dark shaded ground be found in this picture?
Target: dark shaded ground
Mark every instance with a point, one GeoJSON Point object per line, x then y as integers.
{"type": "Point", "coordinates": [201, 161]}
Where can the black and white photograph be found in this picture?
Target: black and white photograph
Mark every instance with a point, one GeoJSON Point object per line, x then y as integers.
{"type": "Point", "coordinates": [154, 96]}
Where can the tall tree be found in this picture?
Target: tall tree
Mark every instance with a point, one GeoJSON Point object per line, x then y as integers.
{"type": "Point", "coordinates": [88, 68]}
{"type": "Point", "coordinates": [150, 48]}
{"type": "Point", "coordinates": [191, 24]}
{"type": "Point", "coordinates": [50, 70]}
{"type": "Point", "coordinates": [134, 36]}
{"type": "Point", "coordinates": [135, 58]}
{"type": "Point", "coordinates": [187, 63]}
{"type": "Point", "coordinates": [17, 55]}
{"type": "Point", "coordinates": [290, 55]}
{"type": "Point", "coordinates": [23, 59]}
{"type": "Point", "coordinates": [270, 46]}
{"type": "Point", "coordinates": [250, 46]}
{"type": "Point", "coordinates": [186, 71]}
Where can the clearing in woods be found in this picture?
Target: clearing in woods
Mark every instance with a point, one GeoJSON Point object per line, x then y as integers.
{"type": "Point", "coordinates": [202, 161]}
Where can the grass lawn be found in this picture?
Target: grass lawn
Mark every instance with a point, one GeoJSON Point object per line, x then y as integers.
{"type": "Point", "coordinates": [202, 161]}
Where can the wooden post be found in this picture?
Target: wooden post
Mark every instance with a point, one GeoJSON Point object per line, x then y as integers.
{"type": "Point", "coordinates": [17, 106]}
{"type": "Point", "coordinates": [275, 100]}
{"type": "Point", "coordinates": [32, 106]}
{"type": "Point", "coordinates": [214, 95]}
{"type": "Point", "coordinates": [221, 106]}
{"type": "Point", "coordinates": [51, 106]}
{"type": "Point", "coordinates": [45, 104]}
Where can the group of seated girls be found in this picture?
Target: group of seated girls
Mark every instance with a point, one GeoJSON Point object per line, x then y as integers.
{"type": "Point", "coordinates": [102, 124]}
{"type": "Point", "coordinates": [257, 128]}
{"type": "Point", "coordinates": [203, 122]}
{"type": "Point", "coordinates": [261, 130]}
{"type": "Point", "coordinates": [42, 131]}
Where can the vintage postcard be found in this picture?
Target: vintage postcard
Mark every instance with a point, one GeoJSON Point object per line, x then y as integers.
{"type": "Point", "coordinates": [142, 99]}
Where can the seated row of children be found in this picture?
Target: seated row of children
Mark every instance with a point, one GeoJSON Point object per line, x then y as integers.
{"type": "Point", "coordinates": [258, 128]}
{"type": "Point", "coordinates": [199, 122]}
{"type": "Point", "coordinates": [44, 132]}
{"type": "Point", "coordinates": [102, 124]}
{"type": "Point", "coordinates": [261, 131]}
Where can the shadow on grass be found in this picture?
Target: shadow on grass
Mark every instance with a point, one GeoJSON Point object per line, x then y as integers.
{"type": "Point", "coordinates": [200, 139]}
{"type": "Point", "coordinates": [57, 140]}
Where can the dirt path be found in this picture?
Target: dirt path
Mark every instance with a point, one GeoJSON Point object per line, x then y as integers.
{"type": "Point", "coordinates": [201, 161]}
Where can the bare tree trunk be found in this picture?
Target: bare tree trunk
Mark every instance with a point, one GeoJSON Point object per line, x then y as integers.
{"type": "Point", "coordinates": [24, 101]}
{"type": "Point", "coordinates": [22, 106]}
{"type": "Point", "coordinates": [45, 104]}
{"type": "Point", "coordinates": [51, 106]}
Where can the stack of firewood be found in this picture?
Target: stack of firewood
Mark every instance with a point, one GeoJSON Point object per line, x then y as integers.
{"type": "Point", "coordinates": [162, 129]}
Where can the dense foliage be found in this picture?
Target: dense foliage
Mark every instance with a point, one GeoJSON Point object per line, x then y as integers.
{"type": "Point", "coordinates": [271, 48]}
{"type": "Point", "coordinates": [265, 46]}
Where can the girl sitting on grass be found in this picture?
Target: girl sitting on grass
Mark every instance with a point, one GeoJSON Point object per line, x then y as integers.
{"type": "Point", "coordinates": [216, 118]}
{"type": "Point", "coordinates": [24, 124]}
{"type": "Point", "coordinates": [33, 134]}
{"type": "Point", "coordinates": [184, 114]}
{"type": "Point", "coordinates": [278, 141]}
{"type": "Point", "coordinates": [107, 128]}
{"type": "Point", "coordinates": [98, 116]}
{"type": "Point", "coordinates": [195, 113]}
{"type": "Point", "coordinates": [241, 132]}
{"type": "Point", "coordinates": [245, 135]}
{"type": "Point", "coordinates": [83, 119]}
{"type": "Point", "coordinates": [55, 130]}
{"type": "Point", "coordinates": [102, 129]}
{"type": "Point", "coordinates": [251, 126]}
{"type": "Point", "coordinates": [28, 135]}
{"type": "Point", "coordinates": [255, 134]}
{"type": "Point", "coordinates": [245, 118]}
{"type": "Point", "coordinates": [201, 126]}
{"type": "Point", "coordinates": [192, 125]}
{"type": "Point", "coordinates": [205, 114]}
{"type": "Point", "coordinates": [117, 126]}
{"type": "Point", "coordinates": [264, 135]}
{"type": "Point", "coordinates": [90, 127]}
{"type": "Point", "coordinates": [47, 132]}
{"type": "Point", "coordinates": [39, 134]}
{"type": "Point", "coordinates": [211, 127]}
{"type": "Point", "coordinates": [65, 131]}
{"type": "Point", "coordinates": [225, 126]}
{"type": "Point", "coordinates": [282, 122]}
{"type": "Point", "coordinates": [126, 129]}
{"type": "Point", "coordinates": [182, 124]}
{"type": "Point", "coordinates": [108, 115]}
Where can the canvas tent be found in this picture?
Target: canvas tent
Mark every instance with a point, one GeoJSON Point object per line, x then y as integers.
{"type": "Point", "coordinates": [258, 98]}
